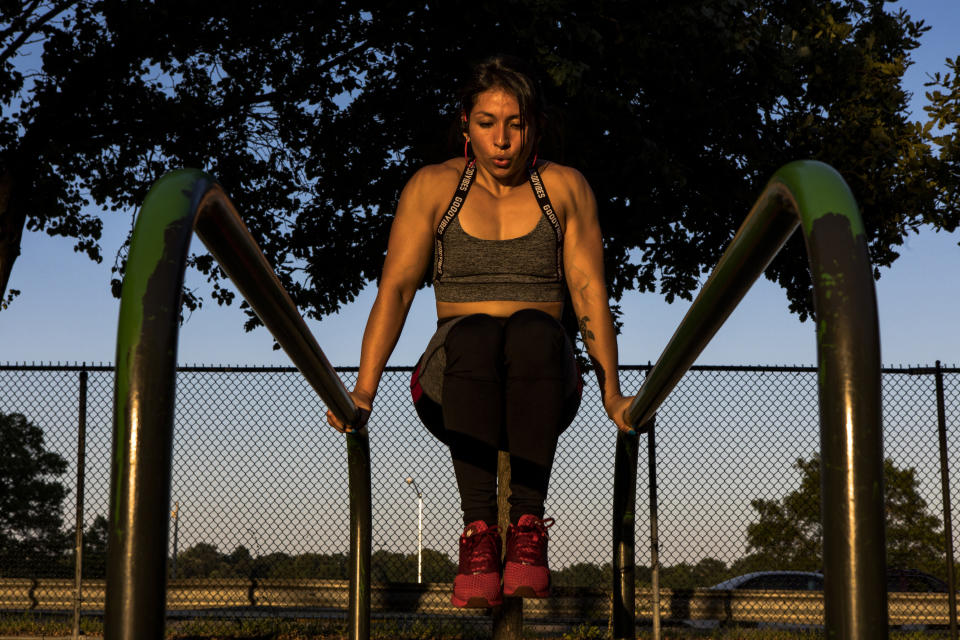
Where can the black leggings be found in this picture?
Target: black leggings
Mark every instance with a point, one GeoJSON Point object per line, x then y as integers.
{"type": "Point", "coordinates": [510, 384]}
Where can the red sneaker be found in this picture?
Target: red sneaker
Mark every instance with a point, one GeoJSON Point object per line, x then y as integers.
{"type": "Point", "coordinates": [525, 571]}
{"type": "Point", "coordinates": [478, 581]}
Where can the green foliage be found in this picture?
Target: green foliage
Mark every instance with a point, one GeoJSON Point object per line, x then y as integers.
{"type": "Point", "coordinates": [941, 130]}
{"type": "Point", "coordinates": [32, 542]}
{"type": "Point", "coordinates": [788, 532]}
{"type": "Point", "coordinates": [95, 549]}
{"type": "Point", "coordinates": [313, 116]}
{"type": "Point", "coordinates": [203, 560]}
{"type": "Point", "coordinates": [707, 572]}
{"type": "Point", "coordinates": [584, 574]}
{"type": "Point", "coordinates": [586, 632]}
{"type": "Point", "coordinates": [438, 567]}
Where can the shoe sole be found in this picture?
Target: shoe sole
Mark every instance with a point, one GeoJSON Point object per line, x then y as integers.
{"type": "Point", "coordinates": [474, 603]}
{"type": "Point", "coordinates": [522, 590]}
{"type": "Point", "coordinates": [527, 592]}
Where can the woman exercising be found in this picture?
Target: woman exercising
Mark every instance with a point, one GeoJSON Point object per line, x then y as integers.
{"type": "Point", "coordinates": [499, 373]}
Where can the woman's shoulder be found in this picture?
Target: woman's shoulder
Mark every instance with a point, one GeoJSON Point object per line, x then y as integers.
{"type": "Point", "coordinates": [560, 174]}
{"type": "Point", "coordinates": [565, 184]}
{"type": "Point", "coordinates": [438, 177]}
{"type": "Point", "coordinates": [429, 189]}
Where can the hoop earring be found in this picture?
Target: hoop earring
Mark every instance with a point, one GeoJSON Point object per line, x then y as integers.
{"type": "Point", "coordinates": [466, 143]}
{"type": "Point", "coordinates": [534, 163]}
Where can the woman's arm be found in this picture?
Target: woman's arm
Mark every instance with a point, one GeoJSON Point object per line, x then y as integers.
{"type": "Point", "coordinates": [583, 264]}
{"type": "Point", "coordinates": [408, 253]}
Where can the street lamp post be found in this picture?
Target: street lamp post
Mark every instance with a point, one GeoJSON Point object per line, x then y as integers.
{"type": "Point", "coordinates": [175, 514]}
{"type": "Point", "coordinates": [411, 482]}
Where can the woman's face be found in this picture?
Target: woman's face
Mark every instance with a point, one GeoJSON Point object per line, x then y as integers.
{"type": "Point", "coordinates": [501, 145]}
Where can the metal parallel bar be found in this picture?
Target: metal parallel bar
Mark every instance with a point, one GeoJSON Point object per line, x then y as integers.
{"type": "Point", "coordinates": [947, 511]}
{"type": "Point", "coordinates": [757, 242]}
{"type": "Point", "coordinates": [226, 236]}
{"type": "Point", "coordinates": [81, 477]}
{"type": "Point", "coordinates": [361, 518]}
{"type": "Point", "coordinates": [814, 196]}
{"type": "Point", "coordinates": [144, 386]}
{"type": "Point", "coordinates": [624, 539]}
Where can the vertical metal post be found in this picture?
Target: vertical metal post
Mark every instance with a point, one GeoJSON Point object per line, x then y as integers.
{"type": "Point", "coordinates": [624, 525]}
{"type": "Point", "coordinates": [358, 463]}
{"type": "Point", "coordinates": [851, 437]}
{"type": "Point", "coordinates": [508, 617]}
{"type": "Point", "coordinates": [654, 535]}
{"type": "Point", "coordinates": [81, 469]}
{"type": "Point", "coordinates": [947, 514]}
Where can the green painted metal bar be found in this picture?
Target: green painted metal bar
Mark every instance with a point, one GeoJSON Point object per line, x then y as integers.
{"type": "Point", "coordinates": [813, 196]}
{"type": "Point", "coordinates": [144, 389]}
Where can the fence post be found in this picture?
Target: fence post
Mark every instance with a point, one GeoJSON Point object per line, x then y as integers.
{"type": "Point", "coordinates": [947, 515]}
{"type": "Point", "coordinates": [654, 535]}
{"type": "Point", "coordinates": [81, 469]}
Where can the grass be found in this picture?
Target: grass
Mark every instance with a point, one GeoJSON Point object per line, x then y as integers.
{"type": "Point", "coordinates": [31, 625]}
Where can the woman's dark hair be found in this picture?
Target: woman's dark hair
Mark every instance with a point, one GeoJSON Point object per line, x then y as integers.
{"type": "Point", "coordinates": [513, 75]}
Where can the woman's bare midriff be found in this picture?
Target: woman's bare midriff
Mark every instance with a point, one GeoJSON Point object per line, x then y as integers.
{"type": "Point", "coordinates": [499, 308]}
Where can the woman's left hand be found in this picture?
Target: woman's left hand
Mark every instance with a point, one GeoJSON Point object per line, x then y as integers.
{"type": "Point", "coordinates": [616, 407]}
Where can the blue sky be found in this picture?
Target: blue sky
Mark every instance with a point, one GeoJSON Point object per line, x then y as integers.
{"type": "Point", "coordinates": [66, 313]}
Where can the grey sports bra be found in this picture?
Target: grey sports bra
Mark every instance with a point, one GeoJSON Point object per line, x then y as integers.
{"type": "Point", "coordinates": [469, 269]}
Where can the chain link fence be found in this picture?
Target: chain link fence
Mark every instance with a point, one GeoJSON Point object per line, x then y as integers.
{"type": "Point", "coordinates": [259, 488]}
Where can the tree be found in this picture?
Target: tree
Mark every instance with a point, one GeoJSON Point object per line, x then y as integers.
{"type": "Point", "coordinates": [584, 574]}
{"type": "Point", "coordinates": [437, 566]}
{"type": "Point", "coordinates": [707, 572]}
{"type": "Point", "coordinates": [95, 549]}
{"type": "Point", "coordinates": [313, 115]}
{"type": "Point", "coordinates": [202, 560]}
{"type": "Point", "coordinates": [32, 541]}
{"type": "Point", "coordinates": [788, 532]}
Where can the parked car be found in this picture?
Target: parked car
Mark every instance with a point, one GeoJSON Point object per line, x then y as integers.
{"type": "Point", "coordinates": [898, 581]}
{"type": "Point", "coordinates": [770, 581]}
{"type": "Point", "coordinates": [913, 581]}
{"type": "Point", "coordinates": [779, 580]}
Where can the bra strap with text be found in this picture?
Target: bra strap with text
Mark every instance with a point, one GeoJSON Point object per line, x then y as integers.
{"type": "Point", "coordinates": [466, 179]}
{"type": "Point", "coordinates": [536, 183]}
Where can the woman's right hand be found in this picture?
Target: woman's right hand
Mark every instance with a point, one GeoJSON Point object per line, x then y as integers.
{"type": "Point", "coordinates": [364, 403]}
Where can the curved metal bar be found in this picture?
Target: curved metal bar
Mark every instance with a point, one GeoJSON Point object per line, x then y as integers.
{"type": "Point", "coordinates": [144, 386]}
{"type": "Point", "coordinates": [814, 196]}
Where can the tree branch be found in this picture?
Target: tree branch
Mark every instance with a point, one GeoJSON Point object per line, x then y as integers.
{"type": "Point", "coordinates": [32, 29]}
{"type": "Point", "coordinates": [20, 21]}
{"type": "Point", "coordinates": [11, 231]}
